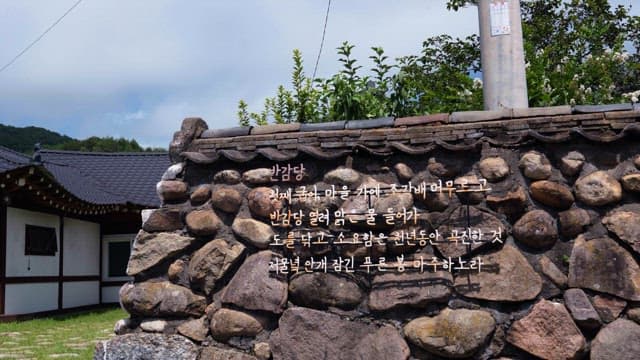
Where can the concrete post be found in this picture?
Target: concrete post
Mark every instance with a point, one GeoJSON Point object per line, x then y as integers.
{"type": "Point", "coordinates": [502, 54]}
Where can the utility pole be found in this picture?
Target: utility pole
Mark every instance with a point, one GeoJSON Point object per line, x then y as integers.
{"type": "Point", "coordinates": [502, 54]}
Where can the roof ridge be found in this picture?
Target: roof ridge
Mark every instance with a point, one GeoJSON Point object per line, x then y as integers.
{"type": "Point", "coordinates": [26, 158]}
{"type": "Point", "coordinates": [456, 117]}
{"type": "Point", "coordinates": [104, 153]}
{"type": "Point", "coordinates": [2, 147]}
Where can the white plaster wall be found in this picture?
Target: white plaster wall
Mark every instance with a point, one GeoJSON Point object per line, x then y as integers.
{"type": "Point", "coordinates": [110, 294]}
{"type": "Point", "coordinates": [17, 262]}
{"type": "Point", "coordinates": [80, 293]}
{"type": "Point", "coordinates": [106, 239]}
{"type": "Point", "coordinates": [81, 248]}
{"type": "Point", "coordinates": [30, 298]}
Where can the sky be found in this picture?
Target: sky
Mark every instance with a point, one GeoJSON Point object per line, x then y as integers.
{"type": "Point", "coordinates": [135, 69]}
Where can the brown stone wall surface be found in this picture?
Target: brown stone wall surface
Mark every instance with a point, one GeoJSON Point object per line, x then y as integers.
{"type": "Point", "coordinates": [530, 250]}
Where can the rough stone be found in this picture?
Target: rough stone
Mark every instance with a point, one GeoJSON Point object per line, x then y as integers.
{"type": "Point", "coordinates": [626, 226]}
{"type": "Point", "coordinates": [592, 266]}
{"type": "Point", "coordinates": [320, 290]}
{"type": "Point", "coordinates": [123, 326]}
{"type": "Point", "coordinates": [457, 221]}
{"type": "Point", "coordinates": [396, 202]}
{"type": "Point", "coordinates": [573, 222]}
{"type": "Point", "coordinates": [511, 204]}
{"type": "Point", "coordinates": [173, 172]}
{"type": "Point", "coordinates": [158, 299]}
{"type": "Point", "coordinates": [200, 195]}
{"type": "Point", "coordinates": [634, 314]}
{"type": "Point", "coordinates": [548, 332]}
{"type": "Point", "coordinates": [467, 182]}
{"type": "Point", "coordinates": [391, 290]}
{"type": "Point", "coordinates": [311, 203]}
{"type": "Point", "coordinates": [598, 189]}
{"type": "Point", "coordinates": [195, 330]}
{"type": "Point", "coordinates": [493, 168]}
{"type": "Point", "coordinates": [227, 323]}
{"type": "Point", "coordinates": [162, 220]}
{"type": "Point", "coordinates": [141, 346]}
{"type": "Point", "coordinates": [262, 351]}
{"type": "Point", "coordinates": [404, 171]}
{"type": "Point", "coordinates": [385, 343]}
{"type": "Point", "coordinates": [355, 206]}
{"type": "Point", "coordinates": [608, 307]}
{"type": "Point", "coordinates": [211, 262]}
{"type": "Point", "coordinates": [552, 194]}
{"type": "Point", "coordinates": [262, 203]}
{"type": "Point", "coordinates": [571, 164]}
{"type": "Point", "coordinates": [511, 279]}
{"type": "Point", "coordinates": [442, 170]}
{"type": "Point", "coordinates": [153, 325]}
{"type": "Point", "coordinates": [216, 353]}
{"type": "Point", "coordinates": [203, 222]}
{"type": "Point", "coordinates": [631, 182]}
{"type": "Point", "coordinates": [311, 334]}
{"type": "Point", "coordinates": [581, 309]}
{"type": "Point", "coordinates": [258, 176]}
{"type": "Point", "coordinates": [172, 190]}
{"type": "Point", "coordinates": [434, 201]}
{"type": "Point", "coordinates": [151, 249]}
{"type": "Point", "coordinates": [229, 177]}
{"type": "Point", "coordinates": [177, 271]}
{"type": "Point", "coordinates": [552, 272]}
{"type": "Point", "coordinates": [535, 166]}
{"type": "Point", "coordinates": [254, 232]}
{"type": "Point", "coordinates": [254, 288]}
{"type": "Point", "coordinates": [452, 333]}
{"type": "Point", "coordinates": [226, 199]}
{"type": "Point", "coordinates": [536, 229]}
{"type": "Point", "coordinates": [343, 176]}
{"type": "Point", "coordinates": [190, 129]}
{"type": "Point", "coordinates": [618, 340]}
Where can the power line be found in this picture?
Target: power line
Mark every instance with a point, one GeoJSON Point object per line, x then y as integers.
{"type": "Point", "coordinates": [40, 37]}
{"type": "Point", "coordinates": [324, 31]}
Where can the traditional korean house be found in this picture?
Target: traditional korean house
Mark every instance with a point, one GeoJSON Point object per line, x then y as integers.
{"type": "Point", "coordinates": [67, 220]}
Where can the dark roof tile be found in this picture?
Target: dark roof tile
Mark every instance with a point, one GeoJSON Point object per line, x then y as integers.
{"type": "Point", "coordinates": [233, 131]}
{"type": "Point", "coordinates": [369, 123]}
{"type": "Point", "coordinates": [601, 108]}
{"type": "Point", "coordinates": [331, 125]}
{"type": "Point", "coordinates": [99, 178]}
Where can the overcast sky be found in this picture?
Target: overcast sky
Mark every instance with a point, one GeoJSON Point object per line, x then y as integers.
{"type": "Point", "coordinates": [137, 68]}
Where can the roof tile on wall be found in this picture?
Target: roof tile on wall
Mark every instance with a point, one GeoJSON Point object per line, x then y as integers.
{"type": "Point", "coordinates": [601, 108]}
{"type": "Point", "coordinates": [369, 123]}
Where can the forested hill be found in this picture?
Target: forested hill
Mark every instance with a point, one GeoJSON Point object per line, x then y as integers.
{"type": "Point", "coordinates": [23, 139]}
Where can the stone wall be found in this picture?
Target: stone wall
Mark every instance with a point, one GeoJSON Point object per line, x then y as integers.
{"type": "Point", "coordinates": [560, 277]}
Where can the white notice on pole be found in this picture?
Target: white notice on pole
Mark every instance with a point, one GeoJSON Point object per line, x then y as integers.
{"type": "Point", "coordinates": [499, 15]}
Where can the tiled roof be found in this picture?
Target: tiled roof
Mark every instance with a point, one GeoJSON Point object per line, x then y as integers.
{"type": "Point", "coordinates": [126, 177]}
{"type": "Point", "coordinates": [10, 159]}
{"type": "Point", "coordinates": [99, 178]}
{"type": "Point", "coordinates": [458, 131]}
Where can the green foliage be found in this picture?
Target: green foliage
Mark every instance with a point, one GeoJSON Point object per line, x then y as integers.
{"type": "Point", "coordinates": [580, 58]}
{"type": "Point", "coordinates": [105, 144]}
{"type": "Point", "coordinates": [23, 140]}
{"type": "Point", "coordinates": [243, 114]}
{"type": "Point", "coordinates": [574, 50]}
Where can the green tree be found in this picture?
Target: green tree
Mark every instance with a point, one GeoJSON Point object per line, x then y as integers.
{"type": "Point", "coordinates": [576, 52]}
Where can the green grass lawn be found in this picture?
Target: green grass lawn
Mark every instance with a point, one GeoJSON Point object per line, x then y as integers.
{"type": "Point", "coordinates": [70, 336]}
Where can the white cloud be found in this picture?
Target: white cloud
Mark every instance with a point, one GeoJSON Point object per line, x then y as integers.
{"type": "Point", "coordinates": [137, 68]}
